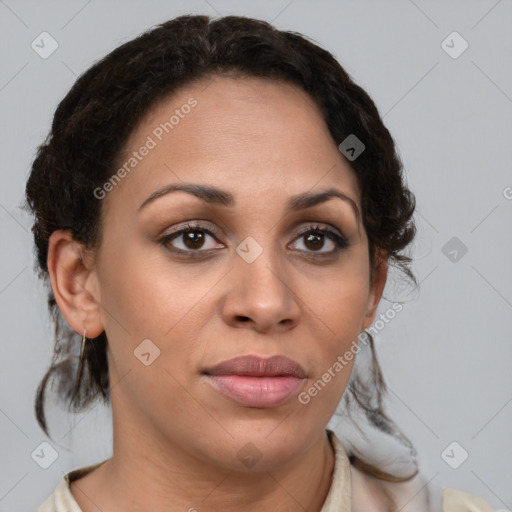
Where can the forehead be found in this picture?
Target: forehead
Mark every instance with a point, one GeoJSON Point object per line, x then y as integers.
{"type": "Point", "coordinates": [253, 136]}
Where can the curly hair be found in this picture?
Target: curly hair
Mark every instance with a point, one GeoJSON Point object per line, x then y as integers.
{"type": "Point", "coordinates": [93, 122]}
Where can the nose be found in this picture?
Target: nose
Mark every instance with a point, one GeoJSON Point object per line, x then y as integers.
{"type": "Point", "coordinates": [261, 295]}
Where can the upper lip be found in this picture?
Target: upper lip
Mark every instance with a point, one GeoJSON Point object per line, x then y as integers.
{"type": "Point", "coordinates": [255, 366]}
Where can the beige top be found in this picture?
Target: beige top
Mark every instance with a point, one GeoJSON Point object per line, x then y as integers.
{"type": "Point", "coordinates": [350, 491]}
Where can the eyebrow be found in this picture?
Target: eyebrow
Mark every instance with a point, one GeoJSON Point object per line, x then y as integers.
{"type": "Point", "coordinates": [217, 196]}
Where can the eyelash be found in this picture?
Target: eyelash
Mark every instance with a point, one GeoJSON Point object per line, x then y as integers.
{"type": "Point", "coordinates": [340, 241]}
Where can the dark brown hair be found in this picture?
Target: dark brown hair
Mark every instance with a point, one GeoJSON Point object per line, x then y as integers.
{"type": "Point", "coordinates": [93, 122]}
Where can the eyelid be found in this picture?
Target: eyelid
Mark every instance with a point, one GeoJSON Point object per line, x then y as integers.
{"type": "Point", "coordinates": [191, 225]}
{"type": "Point", "coordinates": [214, 231]}
{"type": "Point", "coordinates": [335, 235]}
{"type": "Point", "coordinates": [213, 228]}
{"type": "Point", "coordinates": [331, 232]}
{"type": "Point", "coordinates": [318, 226]}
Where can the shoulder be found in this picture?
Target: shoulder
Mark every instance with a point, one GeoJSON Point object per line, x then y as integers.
{"type": "Point", "coordinates": [61, 500]}
{"type": "Point", "coordinates": [370, 493]}
{"type": "Point", "coordinates": [455, 500]}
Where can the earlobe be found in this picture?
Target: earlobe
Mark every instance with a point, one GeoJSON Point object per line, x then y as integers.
{"type": "Point", "coordinates": [71, 280]}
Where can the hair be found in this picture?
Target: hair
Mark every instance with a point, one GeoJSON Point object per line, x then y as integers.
{"type": "Point", "coordinates": [91, 127]}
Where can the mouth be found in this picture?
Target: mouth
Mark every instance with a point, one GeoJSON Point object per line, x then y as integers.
{"type": "Point", "coordinates": [252, 381]}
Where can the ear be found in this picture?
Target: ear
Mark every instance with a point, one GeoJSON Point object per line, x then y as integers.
{"type": "Point", "coordinates": [376, 287]}
{"type": "Point", "coordinates": [74, 283]}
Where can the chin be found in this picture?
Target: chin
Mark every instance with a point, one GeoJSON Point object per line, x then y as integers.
{"type": "Point", "coordinates": [259, 448]}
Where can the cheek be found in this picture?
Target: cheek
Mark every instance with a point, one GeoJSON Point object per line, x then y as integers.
{"type": "Point", "coordinates": [148, 293]}
{"type": "Point", "coordinates": [336, 348]}
{"type": "Point", "coordinates": [151, 299]}
{"type": "Point", "coordinates": [321, 396]}
{"type": "Point", "coordinates": [337, 311]}
{"type": "Point", "coordinates": [340, 302]}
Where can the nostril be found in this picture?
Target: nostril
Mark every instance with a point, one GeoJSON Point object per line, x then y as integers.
{"type": "Point", "coordinates": [243, 318]}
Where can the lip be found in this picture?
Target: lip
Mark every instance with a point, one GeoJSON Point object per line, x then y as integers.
{"type": "Point", "coordinates": [253, 381]}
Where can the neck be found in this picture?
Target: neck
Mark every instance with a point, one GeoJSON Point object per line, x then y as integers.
{"type": "Point", "coordinates": [150, 471]}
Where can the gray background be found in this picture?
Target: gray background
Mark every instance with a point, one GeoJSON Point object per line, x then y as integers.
{"type": "Point", "coordinates": [446, 356]}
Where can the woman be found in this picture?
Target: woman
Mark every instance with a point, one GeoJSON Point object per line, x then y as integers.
{"type": "Point", "coordinates": [215, 210]}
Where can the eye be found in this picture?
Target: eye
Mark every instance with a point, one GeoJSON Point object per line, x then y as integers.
{"type": "Point", "coordinates": [315, 237]}
{"type": "Point", "coordinates": [191, 237]}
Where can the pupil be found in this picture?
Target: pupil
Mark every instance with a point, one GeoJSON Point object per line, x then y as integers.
{"type": "Point", "coordinates": [312, 236]}
{"type": "Point", "coordinates": [195, 239]}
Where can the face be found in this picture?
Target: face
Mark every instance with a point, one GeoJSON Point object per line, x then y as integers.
{"type": "Point", "coordinates": [187, 281]}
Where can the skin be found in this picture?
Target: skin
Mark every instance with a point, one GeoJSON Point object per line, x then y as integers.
{"type": "Point", "coordinates": [175, 437]}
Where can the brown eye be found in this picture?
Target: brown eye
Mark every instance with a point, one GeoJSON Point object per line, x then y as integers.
{"type": "Point", "coordinates": [189, 239]}
{"type": "Point", "coordinates": [193, 239]}
{"type": "Point", "coordinates": [314, 241]}
{"type": "Point", "coordinates": [315, 238]}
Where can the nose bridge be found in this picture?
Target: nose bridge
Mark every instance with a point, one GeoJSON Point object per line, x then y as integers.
{"type": "Point", "coordinates": [260, 269]}
{"type": "Point", "coordinates": [261, 291]}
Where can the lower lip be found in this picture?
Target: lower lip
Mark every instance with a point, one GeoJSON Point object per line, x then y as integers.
{"type": "Point", "coordinates": [256, 391]}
